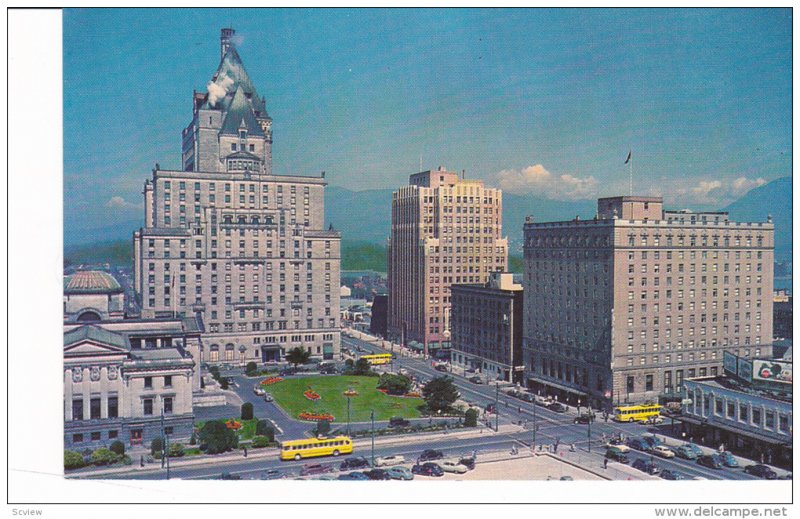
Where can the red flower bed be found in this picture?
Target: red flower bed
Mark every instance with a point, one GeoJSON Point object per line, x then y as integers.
{"type": "Point", "coordinates": [384, 391]}
{"type": "Point", "coordinates": [413, 394]}
{"type": "Point", "coordinates": [311, 395]}
{"type": "Point", "coordinates": [316, 417]}
{"type": "Point", "coordinates": [271, 380]}
{"type": "Point", "coordinates": [233, 424]}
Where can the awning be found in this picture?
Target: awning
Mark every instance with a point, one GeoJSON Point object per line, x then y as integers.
{"type": "Point", "coordinates": [414, 345]}
{"type": "Point", "coordinates": [725, 427]}
{"type": "Point", "coordinates": [557, 385]}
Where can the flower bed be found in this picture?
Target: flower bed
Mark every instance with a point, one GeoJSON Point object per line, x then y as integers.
{"type": "Point", "coordinates": [271, 380]}
{"type": "Point", "coordinates": [311, 395]}
{"type": "Point", "coordinates": [316, 417]}
{"type": "Point", "coordinates": [233, 424]}
{"type": "Point", "coordinates": [413, 394]}
{"type": "Point", "coordinates": [350, 393]}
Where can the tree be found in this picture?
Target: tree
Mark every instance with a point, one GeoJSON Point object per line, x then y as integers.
{"type": "Point", "coordinates": [251, 369]}
{"type": "Point", "coordinates": [117, 447]}
{"type": "Point", "coordinates": [73, 460]}
{"type": "Point", "coordinates": [264, 429]}
{"type": "Point", "coordinates": [439, 394]}
{"type": "Point", "coordinates": [217, 437]}
{"type": "Point", "coordinates": [156, 446]}
{"type": "Point", "coordinates": [362, 367]}
{"type": "Point", "coordinates": [349, 367]}
{"type": "Point", "coordinates": [323, 427]}
{"type": "Point", "coordinates": [471, 417]}
{"type": "Point", "coordinates": [394, 384]}
{"type": "Point", "coordinates": [298, 356]}
{"type": "Point", "coordinates": [247, 411]}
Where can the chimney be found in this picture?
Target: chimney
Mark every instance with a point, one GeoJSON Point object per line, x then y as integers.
{"type": "Point", "coordinates": [225, 41]}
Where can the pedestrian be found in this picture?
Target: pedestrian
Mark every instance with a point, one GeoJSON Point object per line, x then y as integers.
{"type": "Point", "coordinates": [605, 463]}
{"type": "Point", "coordinates": [245, 452]}
{"type": "Point", "coordinates": [141, 461]}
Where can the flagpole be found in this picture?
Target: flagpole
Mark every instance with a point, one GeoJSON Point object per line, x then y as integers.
{"type": "Point", "coordinates": [630, 175]}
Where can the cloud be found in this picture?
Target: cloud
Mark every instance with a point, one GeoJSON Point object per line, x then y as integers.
{"type": "Point", "coordinates": [714, 193]}
{"type": "Point", "coordinates": [539, 181]}
{"type": "Point", "coordinates": [218, 90]}
{"type": "Point", "coordinates": [117, 202]}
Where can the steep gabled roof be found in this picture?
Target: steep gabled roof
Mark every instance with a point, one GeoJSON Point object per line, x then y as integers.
{"type": "Point", "coordinates": [231, 75]}
{"type": "Point", "coordinates": [97, 335]}
{"type": "Point", "coordinates": [240, 115]}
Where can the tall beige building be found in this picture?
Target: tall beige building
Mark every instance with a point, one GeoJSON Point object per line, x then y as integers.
{"type": "Point", "coordinates": [444, 230]}
{"type": "Point", "coordinates": [624, 307]}
{"type": "Point", "coordinates": [229, 241]}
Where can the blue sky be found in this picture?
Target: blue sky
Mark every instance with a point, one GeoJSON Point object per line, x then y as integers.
{"type": "Point", "coordinates": [534, 101]}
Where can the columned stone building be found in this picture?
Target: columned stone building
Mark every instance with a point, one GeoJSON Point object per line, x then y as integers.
{"type": "Point", "coordinates": [624, 307]}
{"type": "Point", "coordinates": [445, 230]}
{"type": "Point", "coordinates": [227, 240]}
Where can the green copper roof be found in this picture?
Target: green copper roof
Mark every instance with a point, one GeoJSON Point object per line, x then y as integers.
{"type": "Point", "coordinates": [91, 282]}
{"type": "Point", "coordinates": [230, 76]}
{"type": "Point", "coordinates": [96, 334]}
{"type": "Point", "coordinates": [240, 116]}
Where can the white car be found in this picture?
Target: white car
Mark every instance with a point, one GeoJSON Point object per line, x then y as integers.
{"type": "Point", "coordinates": [663, 451]}
{"type": "Point", "coordinates": [452, 466]}
{"type": "Point", "coordinates": [387, 461]}
{"type": "Point", "coordinates": [258, 390]}
{"type": "Point", "coordinates": [268, 397]}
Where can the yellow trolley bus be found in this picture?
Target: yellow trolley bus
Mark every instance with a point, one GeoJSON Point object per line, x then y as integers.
{"type": "Point", "coordinates": [313, 447]}
{"type": "Point", "coordinates": [637, 413]}
{"type": "Point", "coordinates": [378, 358]}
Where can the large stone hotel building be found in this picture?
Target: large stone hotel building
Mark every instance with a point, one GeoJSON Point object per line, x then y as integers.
{"type": "Point", "coordinates": [624, 307]}
{"type": "Point", "coordinates": [228, 240]}
{"type": "Point", "coordinates": [445, 230]}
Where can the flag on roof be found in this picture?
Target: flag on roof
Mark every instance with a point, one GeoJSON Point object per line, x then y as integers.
{"type": "Point", "coordinates": [629, 158]}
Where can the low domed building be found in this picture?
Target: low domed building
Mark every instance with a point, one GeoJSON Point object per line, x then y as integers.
{"type": "Point", "coordinates": [92, 295]}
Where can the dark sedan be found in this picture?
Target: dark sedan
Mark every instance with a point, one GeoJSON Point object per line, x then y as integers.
{"type": "Point", "coordinates": [558, 408]}
{"type": "Point", "coordinates": [672, 475]}
{"type": "Point", "coordinates": [377, 474]}
{"type": "Point", "coordinates": [353, 476]}
{"type": "Point", "coordinates": [428, 469]}
{"type": "Point", "coordinates": [646, 466]}
{"type": "Point", "coordinates": [584, 418]}
{"type": "Point", "coordinates": [431, 455]}
{"type": "Point", "coordinates": [354, 463]}
{"type": "Point", "coordinates": [761, 471]}
{"type": "Point", "coordinates": [712, 461]}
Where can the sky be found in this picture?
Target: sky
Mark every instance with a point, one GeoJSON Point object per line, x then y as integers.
{"type": "Point", "coordinates": [546, 102]}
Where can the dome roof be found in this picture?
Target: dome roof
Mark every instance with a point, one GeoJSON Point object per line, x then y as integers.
{"type": "Point", "coordinates": [91, 282]}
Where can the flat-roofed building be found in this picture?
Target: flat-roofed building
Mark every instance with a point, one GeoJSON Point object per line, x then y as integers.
{"type": "Point", "coordinates": [626, 306]}
{"type": "Point", "coordinates": [486, 325]}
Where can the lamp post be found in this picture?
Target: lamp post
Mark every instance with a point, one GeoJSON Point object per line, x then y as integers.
{"type": "Point", "coordinates": [372, 419]}
{"type": "Point", "coordinates": [496, 408]}
{"type": "Point", "coordinates": [166, 442]}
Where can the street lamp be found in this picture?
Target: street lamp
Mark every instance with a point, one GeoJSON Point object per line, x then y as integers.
{"type": "Point", "coordinates": [166, 443]}
{"type": "Point", "coordinates": [372, 419]}
{"type": "Point", "coordinates": [349, 393]}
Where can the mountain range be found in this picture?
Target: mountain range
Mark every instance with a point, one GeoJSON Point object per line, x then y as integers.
{"type": "Point", "coordinates": [365, 216]}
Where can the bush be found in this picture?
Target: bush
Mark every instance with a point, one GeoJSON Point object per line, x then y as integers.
{"type": "Point", "coordinates": [73, 460]}
{"type": "Point", "coordinates": [103, 456]}
{"type": "Point", "coordinates": [223, 383]}
{"type": "Point", "coordinates": [176, 450]}
{"type": "Point", "coordinates": [264, 429]}
{"type": "Point", "coordinates": [251, 369]}
{"type": "Point", "coordinates": [117, 447]}
{"type": "Point", "coordinates": [471, 418]}
{"type": "Point", "coordinates": [260, 442]}
{"type": "Point", "coordinates": [323, 427]}
{"type": "Point", "coordinates": [247, 411]}
{"type": "Point", "coordinates": [217, 437]}
{"type": "Point", "coordinates": [156, 446]}
{"type": "Point", "coordinates": [193, 439]}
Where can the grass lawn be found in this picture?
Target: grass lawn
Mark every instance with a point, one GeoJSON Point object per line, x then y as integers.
{"type": "Point", "coordinates": [289, 395]}
{"type": "Point", "coordinates": [247, 431]}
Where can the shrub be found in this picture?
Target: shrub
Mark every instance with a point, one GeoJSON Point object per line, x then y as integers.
{"type": "Point", "coordinates": [73, 460]}
{"type": "Point", "coordinates": [156, 446]}
{"type": "Point", "coordinates": [176, 450]}
{"type": "Point", "coordinates": [193, 439]}
{"type": "Point", "coordinates": [264, 429]}
{"type": "Point", "coordinates": [471, 418]}
{"type": "Point", "coordinates": [323, 427]}
{"type": "Point", "coordinates": [217, 437]}
{"type": "Point", "coordinates": [103, 456]}
{"type": "Point", "coordinates": [247, 411]}
{"type": "Point", "coordinates": [251, 369]}
{"type": "Point", "coordinates": [223, 383]}
{"type": "Point", "coordinates": [117, 447]}
{"type": "Point", "coordinates": [260, 442]}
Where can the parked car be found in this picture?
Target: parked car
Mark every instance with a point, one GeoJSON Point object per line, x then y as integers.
{"type": "Point", "coordinates": [711, 461]}
{"type": "Point", "coordinates": [614, 453]}
{"type": "Point", "coordinates": [428, 469]}
{"type": "Point", "coordinates": [584, 418]}
{"type": "Point", "coordinates": [397, 421]}
{"type": "Point", "coordinates": [652, 440]}
{"type": "Point", "coordinates": [638, 443]}
{"type": "Point", "coordinates": [566, 478]}
{"type": "Point", "coordinates": [672, 475]}
{"type": "Point", "coordinates": [684, 452]}
{"type": "Point", "coordinates": [468, 462]}
{"type": "Point", "coordinates": [452, 466]}
{"type": "Point", "coordinates": [353, 476]}
{"type": "Point", "coordinates": [387, 461]}
{"type": "Point", "coordinates": [328, 370]}
{"type": "Point", "coordinates": [268, 398]}
{"type": "Point", "coordinates": [475, 379]}
{"type": "Point", "coordinates": [728, 459]}
{"type": "Point", "coordinates": [314, 468]}
{"type": "Point", "coordinates": [377, 474]}
{"type": "Point", "coordinates": [787, 476]}
{"type": "Point", "coordinates": [402, 473]}
{"type": "Point", "coordinates": [431, 455]}
{"type": "Point", "coordinates": [663, 451]}
{"type": "Point", "coordinates": [694, 448]}
{"type": "Point", "coordinates": [557, 407]}
{"type": "Point", "coordinates": [615, 441]}
{"type": "Point", "coordinates": [228, 475]}
{"type": "Point", "coordinates": [441, 367]}
{"type": "Point", "coordinates": [761, 471]}
{"type": "Point", "coordinates": [258, 390]}
{"type": "Point", "coordinates": [646, 466]}
{"type": "Point", "coordinates": [354, 463]}
{"type": "Point", "coordinates": [272, 474]}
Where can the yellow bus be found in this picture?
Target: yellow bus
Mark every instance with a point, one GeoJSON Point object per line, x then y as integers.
{"type": "Point", "coordinates": [378, 358]}
{"type": "Point", "coordinates": [636, 413]}
{"type": "Point", "coordinates": [313, 447]}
